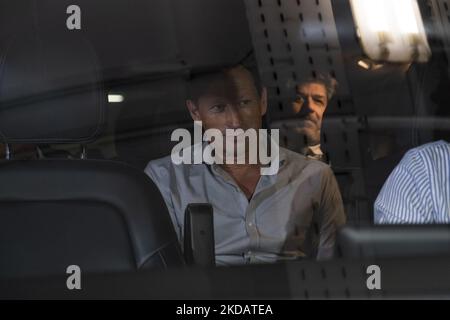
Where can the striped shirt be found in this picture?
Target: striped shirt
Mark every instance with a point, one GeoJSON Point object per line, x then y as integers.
{"type": "Point", "coordinates": [418, 190]}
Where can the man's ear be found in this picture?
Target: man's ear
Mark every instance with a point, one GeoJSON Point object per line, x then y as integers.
{"type": "Point", "coordinates": [193, 110]}
{"type": "Point", "coordinates": [263, 101]}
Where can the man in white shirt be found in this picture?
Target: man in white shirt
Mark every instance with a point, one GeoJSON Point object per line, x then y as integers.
{"type": "Point", "coordinates": [292, 214]}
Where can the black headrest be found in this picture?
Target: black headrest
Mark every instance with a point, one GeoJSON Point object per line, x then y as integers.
{"type": "Point", "coordinates": [50, 89]}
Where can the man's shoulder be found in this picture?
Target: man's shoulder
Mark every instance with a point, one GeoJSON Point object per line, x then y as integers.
{"type": "Point", "coordinates": [433, 147]}
{"type": "Point", "coordinates": [167, 163]}
{"type": "Point", "coordinates": [162, 170]}
{"type": "Point", "coordinates": [165, 167]}
{"type": "Point", "coordinates": [425, 152]}
{"type": "Point", "coordinates": [298, 160]}
{"type": "Point", "coordinates": [164, 163]}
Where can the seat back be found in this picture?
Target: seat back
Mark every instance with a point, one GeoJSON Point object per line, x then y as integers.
{"type": "Point", "coordinates": [102, 216]}
{"type": "Point", "coordinates": [99, 215]}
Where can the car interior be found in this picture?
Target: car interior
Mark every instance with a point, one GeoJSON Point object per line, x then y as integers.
{"type": "Point", "coordinates": [83, 110]}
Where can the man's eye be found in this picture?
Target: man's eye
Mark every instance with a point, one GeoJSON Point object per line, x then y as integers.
{"type": "Point", "coordinates": [217, 108]}
{"type": "Point", "coordinates": [319, 102]}
{"type": "Point", "coordinates": [245, 102]}
{"type": "Point", "coordinates": [299, 99]}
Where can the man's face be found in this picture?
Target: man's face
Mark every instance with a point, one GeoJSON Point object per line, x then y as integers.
{"type": "Point", "coordinates": [230, 103]}
{"type": "Point", "coordinates": [311, 102]}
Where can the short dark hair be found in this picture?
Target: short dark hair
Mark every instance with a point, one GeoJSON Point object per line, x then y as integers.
{"type": "Point", "coordinates": [326, 80]}
{"type": "Point", "coordinates": [200, 82]}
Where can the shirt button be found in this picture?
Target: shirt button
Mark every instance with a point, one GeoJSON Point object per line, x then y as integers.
{"type": "Point", "coordinates": [250, 224]}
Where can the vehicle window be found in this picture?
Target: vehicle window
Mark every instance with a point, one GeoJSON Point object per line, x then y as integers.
{"type": "Point", "coordinates": [292, 119]}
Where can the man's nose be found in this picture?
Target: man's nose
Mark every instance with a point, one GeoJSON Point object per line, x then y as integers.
{"type": "Point", "coordinates": [233, 118]}
{"type": "Point", "coordinates": [308, 105]}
